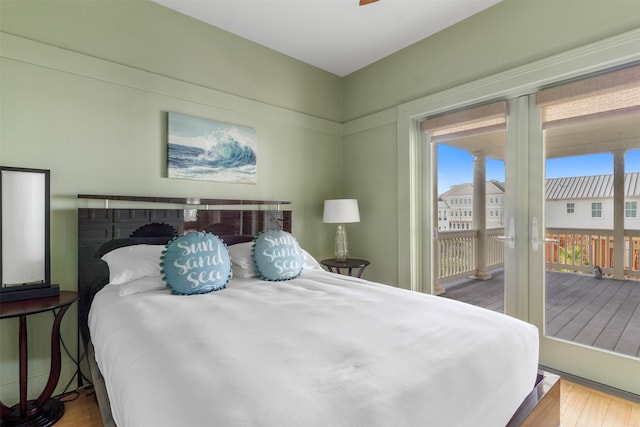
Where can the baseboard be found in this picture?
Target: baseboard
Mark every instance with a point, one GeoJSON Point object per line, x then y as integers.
{"type": "Point", "coordinates": [10, 390]}
{"type": "Point", "coordinates": [595, 385]}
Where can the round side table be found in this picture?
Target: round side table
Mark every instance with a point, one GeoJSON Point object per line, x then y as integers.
{"type": "Point", "coordinates": [349, 265]}
{"type": "Point", "coordinates": [43, 411]}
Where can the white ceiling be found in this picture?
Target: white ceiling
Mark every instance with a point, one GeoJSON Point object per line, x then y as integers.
{"type": "Point", "coordinates": [338, 36]}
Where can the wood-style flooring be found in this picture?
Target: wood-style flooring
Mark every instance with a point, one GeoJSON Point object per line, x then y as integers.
{"type": "Point", "coordinates": [580, 406]}
{"type": "Point", "coordinates": [603, 313]}
{"type": "Point", "coordinates": [80, 410]}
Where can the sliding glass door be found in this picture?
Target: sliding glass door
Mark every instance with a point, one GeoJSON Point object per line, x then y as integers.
{"type": "Point", "coordinates": [469, 151]}
{"type": "Point", "coordinates": [548, 247]}
{"type": "Point", "coordinates": [536, 200]}
{"type": "Point", "coordinates": [585, 239]}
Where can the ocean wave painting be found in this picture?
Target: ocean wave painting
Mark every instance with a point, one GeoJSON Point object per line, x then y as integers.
{"type": "Point", "coordinates": [209, 150]}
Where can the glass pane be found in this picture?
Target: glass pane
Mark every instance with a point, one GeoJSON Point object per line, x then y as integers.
{"type": "Point", "coordinates": [592, 289]}
{"type": "Point", "coordinates": [23, 228]}
{"type": "Point", "coordinates": [471, 204]}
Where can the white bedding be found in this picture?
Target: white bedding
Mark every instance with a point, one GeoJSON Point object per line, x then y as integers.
{"type": "Point", "coordinates": [319, 350]}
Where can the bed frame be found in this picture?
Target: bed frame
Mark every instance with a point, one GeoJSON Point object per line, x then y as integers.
{"type": "Point", "coordinates": [101, 230]}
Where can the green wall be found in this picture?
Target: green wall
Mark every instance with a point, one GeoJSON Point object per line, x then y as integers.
{"type": "Point", "coordinates": [510, 34]}
{"type": "Point", "coordinates": [505, 36]}
{"type": "Point", "coordinates": [86, 85]}
{"type": "Point", "coordinates": [149, 37]}
{"type": "Point", "coordinates": [85, 91]}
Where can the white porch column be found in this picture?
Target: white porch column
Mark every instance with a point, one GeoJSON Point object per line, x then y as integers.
{"type": "Point", "coordinates": [435, 235]}
{"type": "Point", "coordinates": [618, 215]}
{"type": "Point", "coordinates": [480, 213]}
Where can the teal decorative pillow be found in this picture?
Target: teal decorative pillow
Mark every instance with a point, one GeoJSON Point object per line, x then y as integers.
{"type": "Point", "coordinates": [277, 255]}
{"type": "Point", "coordinates": [196, 263]}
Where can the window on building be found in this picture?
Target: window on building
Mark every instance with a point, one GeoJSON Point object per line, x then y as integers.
{"type": "Point", "coordinates": [571, 208]}
{"type": "Point", "coordinates": [630, 209]}
{"type": "Point", "coordinates": [596, 210]}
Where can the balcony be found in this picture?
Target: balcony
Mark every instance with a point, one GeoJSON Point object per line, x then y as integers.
{"type": "Point", "coordinates": [457, 253]}
{"type": "Point", "coordinates": [571, 250]}
{"type": "Point", "coordinates": [604, 313]}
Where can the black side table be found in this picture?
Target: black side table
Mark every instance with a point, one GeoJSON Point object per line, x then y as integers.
{"type": "Point", "coordinates": [42, 411]}
{"type": "Point", "coordinates": [349, 264]}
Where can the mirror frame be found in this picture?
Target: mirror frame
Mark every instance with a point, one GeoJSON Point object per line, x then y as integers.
{"type": "Point", "coordinates": [47, 230]}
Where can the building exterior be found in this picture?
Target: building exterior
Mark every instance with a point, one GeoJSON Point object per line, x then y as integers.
{"type": "Point", "coordinates": [455, 207]}
{"type": "Point", "coordinates": [584, 202]}
{"type": "Point", "coordinates": [587, 202]}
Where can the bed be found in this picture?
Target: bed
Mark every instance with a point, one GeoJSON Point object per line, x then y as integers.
{"type": "Point", "coordinates": [318, 349]}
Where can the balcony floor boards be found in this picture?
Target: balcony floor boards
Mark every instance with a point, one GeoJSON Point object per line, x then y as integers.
{"type": "Point", "coordinates": [603, 313]}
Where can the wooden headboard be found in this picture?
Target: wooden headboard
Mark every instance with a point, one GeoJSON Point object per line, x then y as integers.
{"type": "Point", "coordinates": [101, 230]}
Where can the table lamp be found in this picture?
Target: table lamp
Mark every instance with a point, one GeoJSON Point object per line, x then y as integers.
{"type": "Point", "coordinates": [341, 211]}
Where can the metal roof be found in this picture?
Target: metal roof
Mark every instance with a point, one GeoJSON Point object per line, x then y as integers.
{"type": "Point", "coordinates": [466, 189]}
{"type": "Point", "coordinates": [575, 187]}
{"type": "Point", "coordinates": [591, 187]}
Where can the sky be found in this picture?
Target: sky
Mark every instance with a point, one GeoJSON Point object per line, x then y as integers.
{"type": "Point", "coordinates": [456, 166]}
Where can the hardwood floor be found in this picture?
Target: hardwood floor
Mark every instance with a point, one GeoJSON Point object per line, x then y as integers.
{"type": "Point", "coordinates": [580, 406]}
{"type": "Point", "coordinates": [82, 411]}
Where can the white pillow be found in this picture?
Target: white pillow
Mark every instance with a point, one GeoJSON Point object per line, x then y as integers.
{"type": "Point", "coordinates": [310, 261]}
{"type": "Point", "coordinates": [242, 263]}
{"type": "Point", "coordinates": [241, 260]}
{"type": "Point", "coordinates": [147, 283]}
{"type": "Point", "coordinates": [133, 262]}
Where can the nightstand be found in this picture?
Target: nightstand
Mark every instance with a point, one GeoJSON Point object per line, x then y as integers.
{"type": "Point", "coordinates": [349, 264]}
{"type": "Point", "coordinates": [42, 411]}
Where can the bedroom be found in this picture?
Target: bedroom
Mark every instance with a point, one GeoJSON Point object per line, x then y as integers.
{"type": "Point", "coordinates": [85, 86]}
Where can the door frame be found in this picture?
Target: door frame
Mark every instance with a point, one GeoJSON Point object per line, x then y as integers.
{"type": "Point", "coordinates": [413, 211]}
{"type": "Point", "coordinates": [415, 201]}
{"type": "Point", "coordinates": [613, 369]}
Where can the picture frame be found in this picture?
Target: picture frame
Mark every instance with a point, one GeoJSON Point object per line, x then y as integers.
{"type": "Point", "coordinates": [210, 150]}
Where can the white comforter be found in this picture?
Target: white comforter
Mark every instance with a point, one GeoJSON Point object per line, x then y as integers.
{"type": "Point", "coordinates": [320, 350]}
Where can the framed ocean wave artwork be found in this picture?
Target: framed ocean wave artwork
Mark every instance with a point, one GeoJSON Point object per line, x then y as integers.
{"type": "Point", "coordinates": [209, 150]}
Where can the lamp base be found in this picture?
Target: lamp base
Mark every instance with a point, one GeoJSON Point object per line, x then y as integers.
{"type": "Point", "coordinates": [341, 246]}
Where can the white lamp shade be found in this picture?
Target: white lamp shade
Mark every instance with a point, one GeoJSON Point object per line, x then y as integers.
{"type": "Point", "coordinates": [341, 211]}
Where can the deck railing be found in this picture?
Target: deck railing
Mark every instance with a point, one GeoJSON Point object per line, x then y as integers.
{"type": "Point", "coordinates": [457, 253]}
{"type": "Point", "coordinates": [572, 250]}
{"type": "Point", "coordinates": [581, 250]}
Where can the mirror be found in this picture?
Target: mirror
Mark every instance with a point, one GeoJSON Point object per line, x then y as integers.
{"type": "Point", "coordinates": [24, 231]}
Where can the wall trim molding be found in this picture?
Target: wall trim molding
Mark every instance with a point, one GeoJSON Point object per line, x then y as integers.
{"type": "Point", "coordinates": [371, 121]}
{"type": "Point", "coordinates": [43, 55]}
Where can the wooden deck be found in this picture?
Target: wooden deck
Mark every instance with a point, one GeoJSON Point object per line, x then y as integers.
{"type": "Point", "coordinates": [603, 313]}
